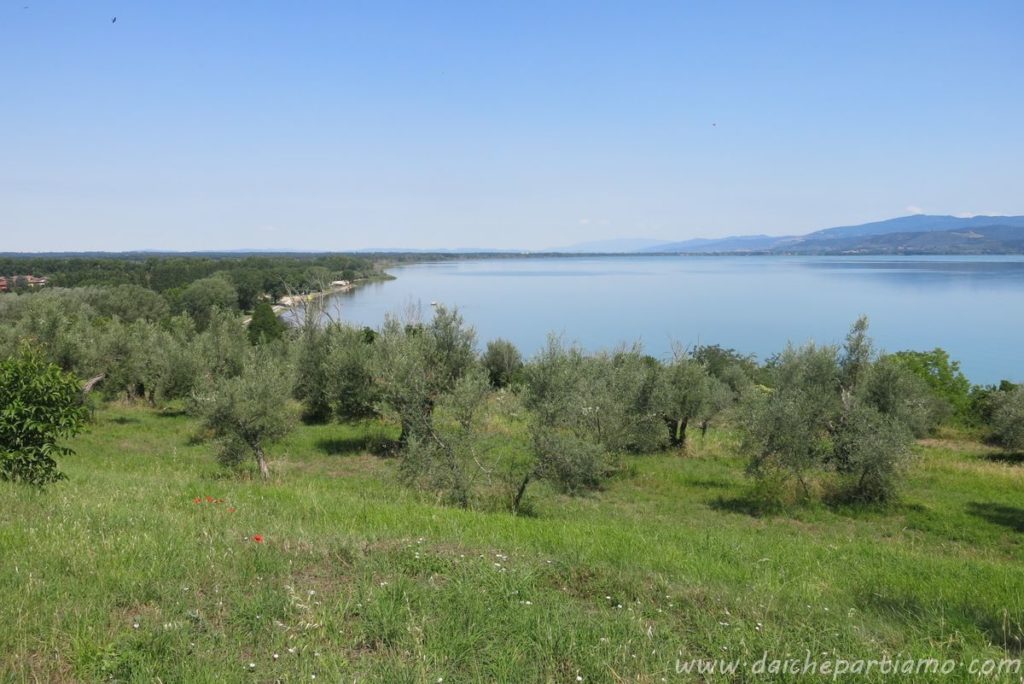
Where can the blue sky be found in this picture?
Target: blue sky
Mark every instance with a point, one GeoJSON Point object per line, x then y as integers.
{"type": "Point", "coordinates": [344, 125]}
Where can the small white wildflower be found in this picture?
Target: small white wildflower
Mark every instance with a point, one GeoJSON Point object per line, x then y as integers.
{"type": "Point", "coordinates": [252, 666]}
{"type": "Point", "coordinates": [276, 656]}
{"type": "Point", "coordinates": [135, 625]}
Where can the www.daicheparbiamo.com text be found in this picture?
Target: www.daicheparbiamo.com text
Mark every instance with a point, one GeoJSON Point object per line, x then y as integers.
{"type": "Point", "coordinates": [835, 668]}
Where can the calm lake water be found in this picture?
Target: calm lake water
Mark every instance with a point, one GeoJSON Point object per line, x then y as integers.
{"type": "Point", "coordinates": [970, 306]}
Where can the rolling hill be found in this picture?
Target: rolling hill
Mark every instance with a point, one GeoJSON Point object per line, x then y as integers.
{"type": "Point", "coordinates": [918, 234]}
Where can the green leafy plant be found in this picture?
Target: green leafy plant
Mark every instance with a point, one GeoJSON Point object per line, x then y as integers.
{"type": "Point", "coordinates": [39, 405]}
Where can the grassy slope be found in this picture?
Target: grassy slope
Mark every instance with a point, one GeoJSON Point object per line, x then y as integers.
{"type": "Point", "coordinates": [117, 573]}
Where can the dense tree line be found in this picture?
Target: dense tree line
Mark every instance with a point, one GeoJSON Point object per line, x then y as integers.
{"type": "Point", "coordinates": [481, 429]}
{"type": "Point", "coordinates": [250, 277]}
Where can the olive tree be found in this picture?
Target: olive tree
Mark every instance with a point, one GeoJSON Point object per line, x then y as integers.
{"type": "Point", "coordinates": [565, 446]}
{"type": "Point", "coordinates": [415, 363]}
{"type": "Point", "coordinates": [688, 392]}
{"type": "Point", "coordinates": [312, 382]}
{"type": "Point", "coordinates": [870, 451]}
{"type": "Point", "coordinates": [249, 412]}
{"type": "Point", "coordinates": [832, 411]}
{"type": "Point", "coordinates": [452, 452]}
{"type": "Point", "coordinates": [623, 400]}
{"type": "Point", "coordinates": [1008, 418]}
{"type": "Point", "coordinates": [39, 406]}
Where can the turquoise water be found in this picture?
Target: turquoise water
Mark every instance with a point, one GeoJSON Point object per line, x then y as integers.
{"type": "Point", "coordinates": [970, 306]}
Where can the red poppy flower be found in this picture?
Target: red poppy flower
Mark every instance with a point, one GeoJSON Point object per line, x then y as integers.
{"type": "Point", "coordinates": [209, 499]}
{"type": "Point", "coordinates": [197, 500]}
{"type": "Point", "coordinates": [231, 510]}
{"type": "Point", "coordinates": [258, 538]}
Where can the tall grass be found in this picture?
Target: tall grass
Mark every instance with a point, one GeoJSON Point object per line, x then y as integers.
{"type": "Point", "coordinates": [118, 574]}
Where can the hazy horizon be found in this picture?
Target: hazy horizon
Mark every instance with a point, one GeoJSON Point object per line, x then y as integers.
{"type": "Point", "coordinates": [192, 127]}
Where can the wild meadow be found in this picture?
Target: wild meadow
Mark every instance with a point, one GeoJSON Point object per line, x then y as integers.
{"type": "Point", "coordinates": [230, 503]}
{"type": "Point", "coordinates": [149, 563]}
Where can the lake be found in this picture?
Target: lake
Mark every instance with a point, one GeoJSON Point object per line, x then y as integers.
{"type": "Point", "coordinates": [969, 306]}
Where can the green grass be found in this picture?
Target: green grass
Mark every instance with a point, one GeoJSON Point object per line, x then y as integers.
{"type": "Point", "coordinates": [118, 574]}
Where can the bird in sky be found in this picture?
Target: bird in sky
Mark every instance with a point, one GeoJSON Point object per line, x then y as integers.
{"type": "Point", "coordinates": [114, 20]}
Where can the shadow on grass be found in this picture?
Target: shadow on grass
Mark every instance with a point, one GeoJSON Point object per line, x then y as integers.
{"type": "Point", "coordinates": [1009, 457]}
{"type": "Point", "coordinates": [999, 514]}
{"type": "Point", "coordinates": [1003, 629]}
{"type": "Point", "coordinates": [709, 483]}
{"type": "Point", "coordinates": [171, 413]}
{"type": "Point", "coordinates": [354, 446]}
{"type": "Point", "coordinates": [124, 420]}
{"type": "Point", "coordinates": [743, 505]}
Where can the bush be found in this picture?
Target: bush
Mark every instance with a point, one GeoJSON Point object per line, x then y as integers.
{"type": "Point", "coordinates": [39, 405]}
{"type": "Point", "coordinates": [1008, 418]}
{"type": "Point", "coordinates": [942, 375]}
{"type": "Point", "coordinates": [502, 361]}
{"type": "Point", "coordinates": [896, 391]}
{"type": "Point", "coordinates": [265, 326]}
{"type": "Point", "coordinates": [204, 296]}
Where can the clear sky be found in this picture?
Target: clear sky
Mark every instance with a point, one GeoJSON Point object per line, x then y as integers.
{"type": "Point", "coordinates": [342, 125]}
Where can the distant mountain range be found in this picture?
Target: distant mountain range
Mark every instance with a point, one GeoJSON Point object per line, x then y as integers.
{"type": "Point", "coordinates": [917, 234]}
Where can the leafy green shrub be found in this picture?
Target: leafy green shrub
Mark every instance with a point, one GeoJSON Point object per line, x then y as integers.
{"type": "Point", "coordinates": [1008, 418]}
{"type": "Point", "coordinates": [39, 405]}
{"type": "Point", "coordinates": [502, 361]}
{"type": "Point", "coordinates": [202, 297]}
{"type": "Point", "coordinates": [943, 375]}
{"type": "Point", "coordinates": [891, 388]}
{"type": "Point", "coordinates": [265, 326]}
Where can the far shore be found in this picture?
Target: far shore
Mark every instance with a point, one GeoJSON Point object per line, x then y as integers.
{"type": "Point", "coordinates": [291, 301]}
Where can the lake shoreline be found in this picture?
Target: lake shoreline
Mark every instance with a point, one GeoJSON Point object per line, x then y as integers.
{"type": "Point", "coordinates": [752, 304]}
{"type": "Point", "coordinates": [290, 302]}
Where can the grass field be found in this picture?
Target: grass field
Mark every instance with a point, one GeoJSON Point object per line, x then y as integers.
{"type": "Point", "coordinates": [118, 574]}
